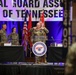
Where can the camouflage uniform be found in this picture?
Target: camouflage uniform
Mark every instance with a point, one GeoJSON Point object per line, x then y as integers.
{"type": "Point", "coordinates": [39, 35]}
{"type": "Point", "coordinates": [3, 36]}
{"type": "Point", "coordinates": [70, 66]}
{"type": "Point", "coordinates": [14, 38]}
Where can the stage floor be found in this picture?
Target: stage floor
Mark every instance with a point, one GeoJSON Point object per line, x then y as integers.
{"type": "Point", "coordinates": [32, 63]}
{"type": "Point", "coordinates": [30, 68]}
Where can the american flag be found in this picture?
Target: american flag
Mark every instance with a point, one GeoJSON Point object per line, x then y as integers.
{"type": "Point", "coordinates": [25, 36]}
{"type": "Point", "coordinates": [25, 33]}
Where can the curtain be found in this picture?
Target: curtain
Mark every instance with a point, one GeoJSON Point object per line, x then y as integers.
{"type": "Point", "coordinates": [55, 29]}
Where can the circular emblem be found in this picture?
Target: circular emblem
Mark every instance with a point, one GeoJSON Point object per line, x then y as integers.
{"type": "Point", "coordinates": [39, 48]}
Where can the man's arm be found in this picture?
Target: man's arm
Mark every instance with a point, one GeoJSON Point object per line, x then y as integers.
{"type": "Point", "coordinates": [45, 29]}
{"type": "Point", "coordinates": [0, 31]}
{"type": "Point", "coordinates": [32, 29]}
{"type": "Point", "coordinates": [70, 61]}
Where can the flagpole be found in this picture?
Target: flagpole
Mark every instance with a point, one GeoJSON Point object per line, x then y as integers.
{"type": "Point", "coordinates": [30, 52]}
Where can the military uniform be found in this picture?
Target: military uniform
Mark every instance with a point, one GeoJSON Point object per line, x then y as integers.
{"type": "Point", "coordinates": [70, 66]}
{"type": "Point", "coordinates": [3, 36]}
{"type": "Point", "coordinates": [14, 38]}
{"type": "Point", "coordinates": [39, 35]}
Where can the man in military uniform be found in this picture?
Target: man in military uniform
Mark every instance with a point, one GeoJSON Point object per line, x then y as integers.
{"type": "Point", "coordinates": [38, 34]}
{"type": "Point", "coordinates": [70, 66]}
{"type": "Point", "coordinates": [3, 34]}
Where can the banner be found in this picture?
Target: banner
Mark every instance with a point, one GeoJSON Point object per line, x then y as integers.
{"type": "Point", "coordinates": [14, 10]}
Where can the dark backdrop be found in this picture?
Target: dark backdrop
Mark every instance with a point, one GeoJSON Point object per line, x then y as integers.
{"type": "Point", "coordinates": [55, 29]}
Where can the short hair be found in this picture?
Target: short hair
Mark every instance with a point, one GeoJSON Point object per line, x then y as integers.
{"type": "Point", "coordinates": [3, 25]}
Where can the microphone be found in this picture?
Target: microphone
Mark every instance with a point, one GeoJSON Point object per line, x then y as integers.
{"type": "Point", "coordinates": [53, 41]}
{"type": "Point", "coordinates": [52, 38]}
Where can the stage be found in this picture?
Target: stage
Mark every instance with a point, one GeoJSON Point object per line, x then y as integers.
{"type": "Point", "coordinates": [16, 54]}
{"type": "Point", "coordinates": [29, 68]}
{"type": "Point", "coordinates": [20, 66]}
{"type": "Point", "coordinates": [55, 16]}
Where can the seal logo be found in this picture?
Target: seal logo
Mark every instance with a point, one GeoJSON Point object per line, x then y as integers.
{"type": "Point", "coordinates": [39, 49]}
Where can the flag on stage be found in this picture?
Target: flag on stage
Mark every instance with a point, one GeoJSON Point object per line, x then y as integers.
{"type": "Point", "coordinates": [29, 27]}
{"type": "Point", "coordinates": [25, 34]}
{"type": "Point", "coordinates": [42, 17]}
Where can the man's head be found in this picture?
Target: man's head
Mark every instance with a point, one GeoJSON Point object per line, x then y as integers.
{"type": "Point", "coordinates": [4, 26]}
{"type": "Point", "coordinates": [38, 25]}
{"type": "Point", "coordinates": [40, 22]}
